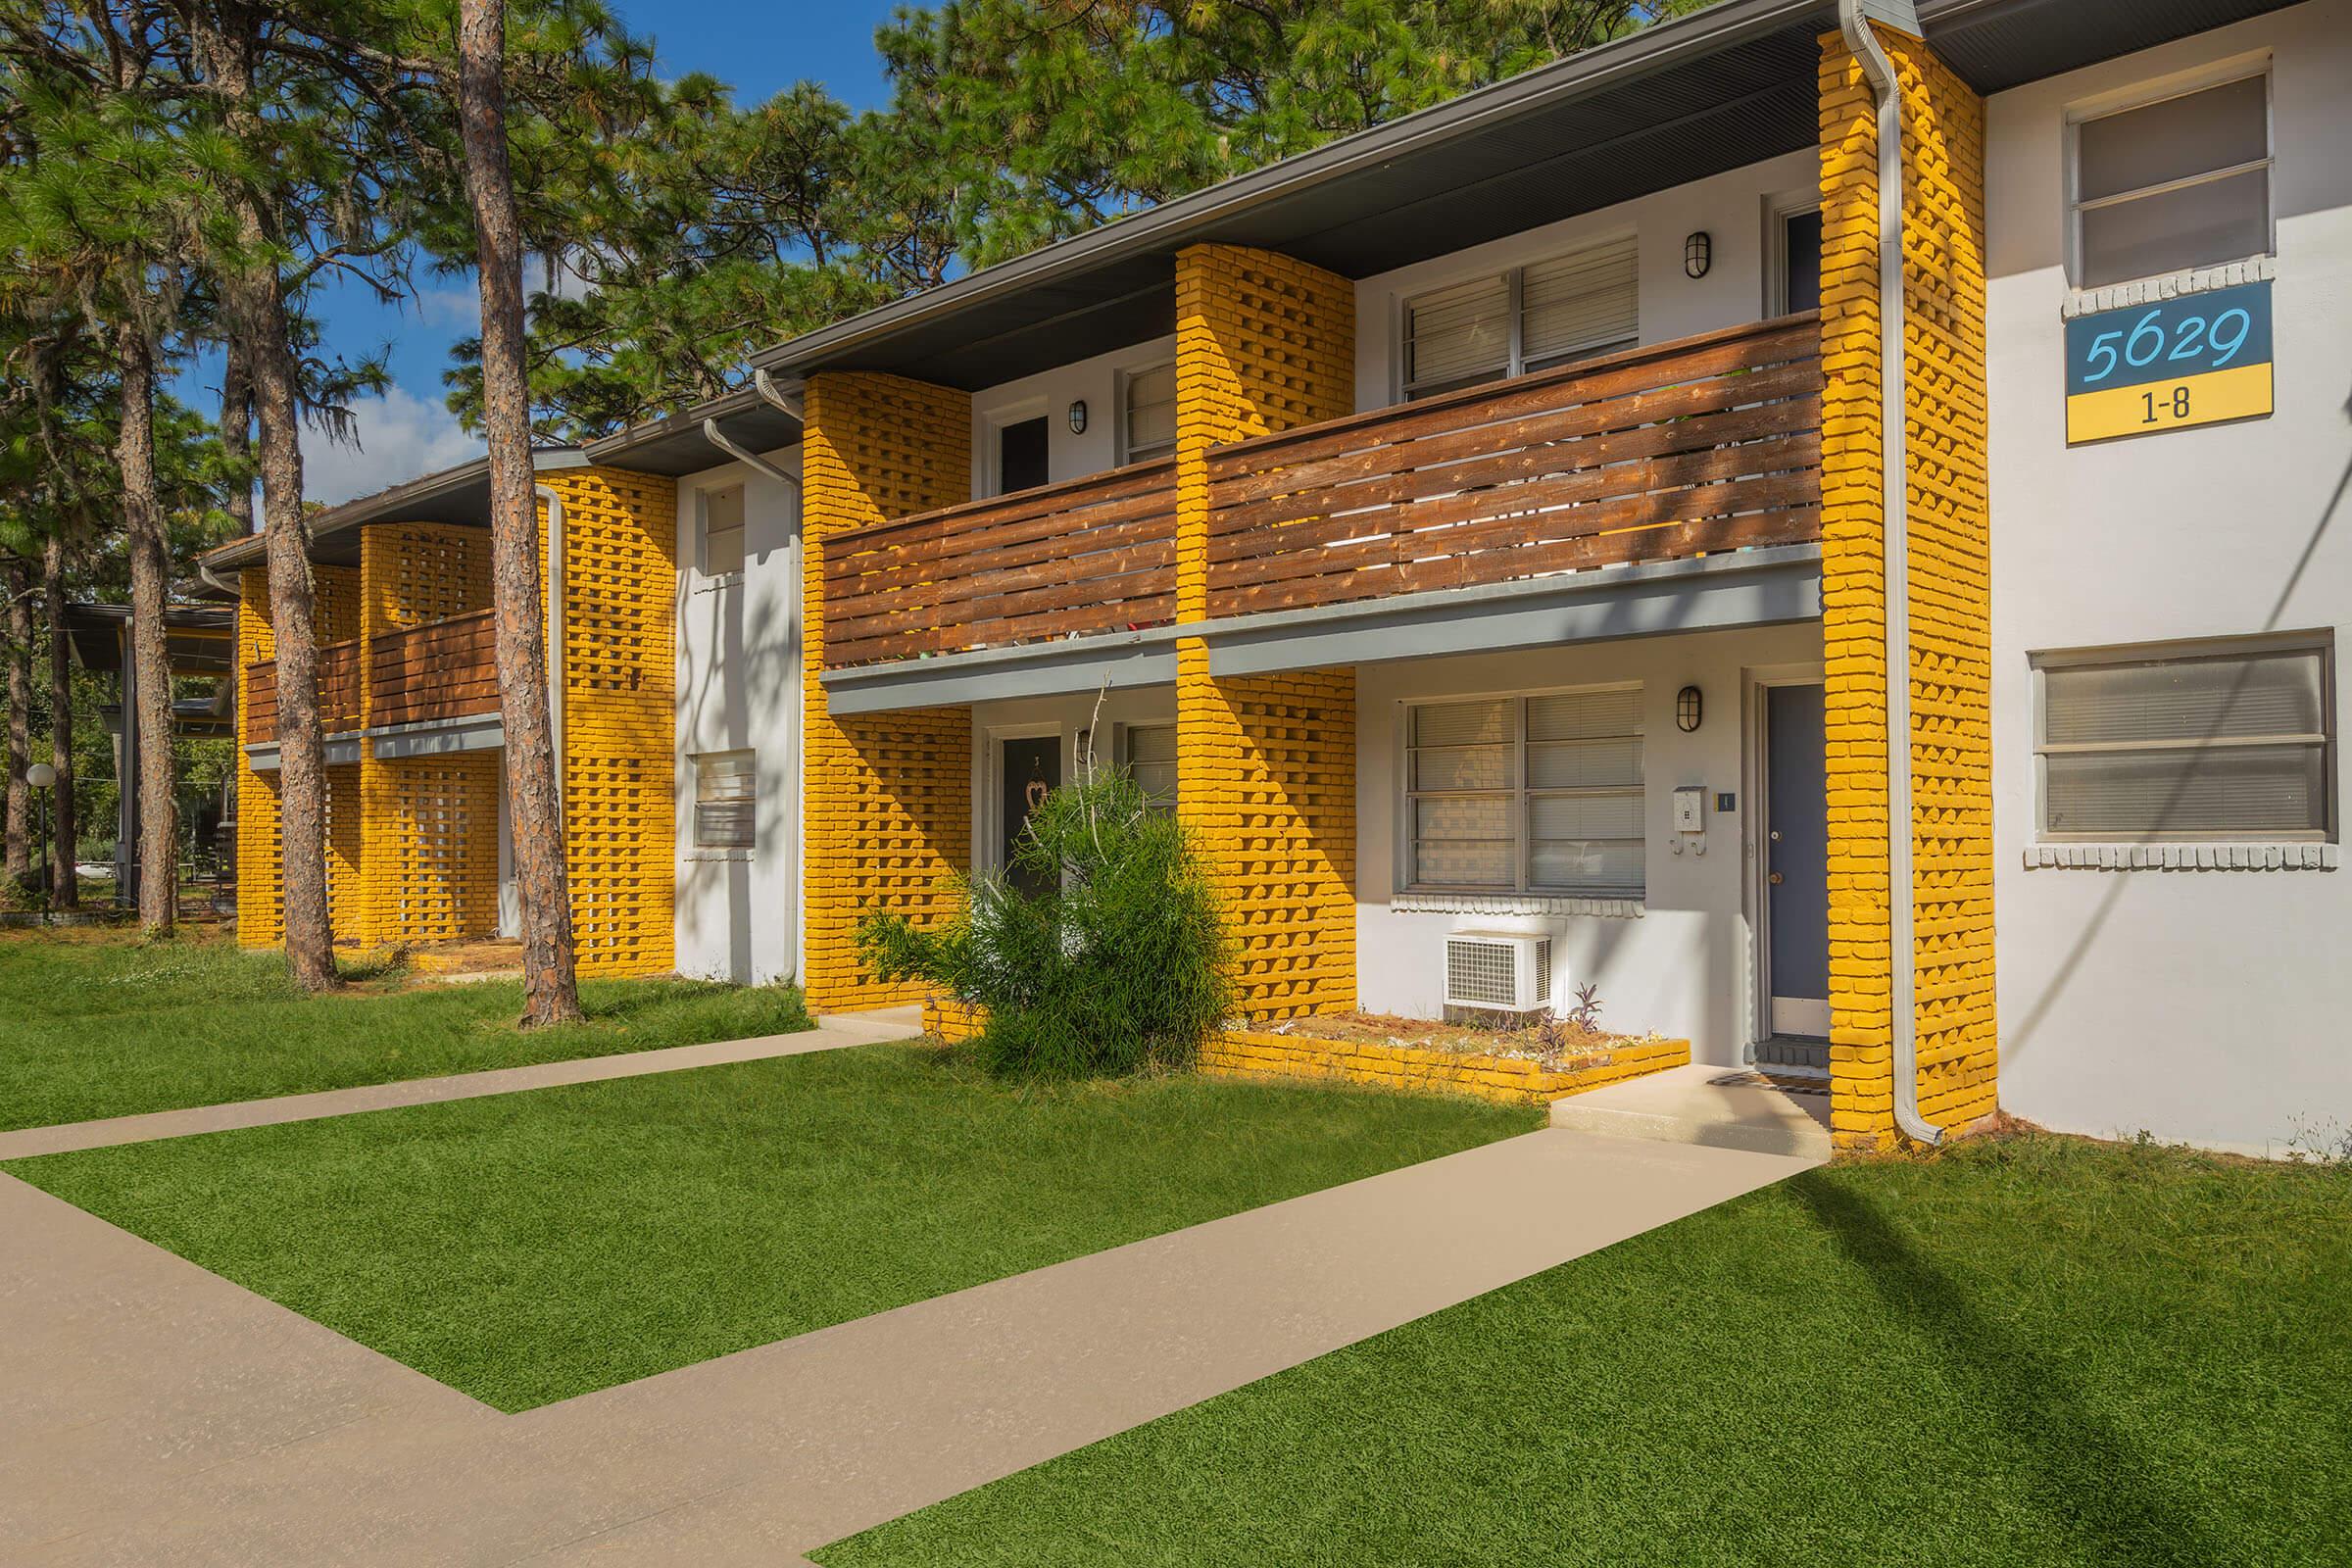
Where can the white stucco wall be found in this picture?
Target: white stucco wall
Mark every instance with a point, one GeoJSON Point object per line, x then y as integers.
{"type": "Point", "coordinates": [1732, 208]}
{"type": "Point", "coordinates": [1049, 394]}
{"type": "Point", "coordinates": [1686, 966]}
{"type": "Point", "coordinates": [739, 688]}
{"type": "Point", "coordinates": [2202, 1006]}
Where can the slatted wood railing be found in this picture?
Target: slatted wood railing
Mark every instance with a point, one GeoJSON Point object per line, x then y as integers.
{"type": "Point", "coordinates": [338, 693]}
{"type": "Point", "coordinates": [1092, 554]}
{"type": "Point", "coordinates": [448, 669]}
{"type": "Point", "coordinates": [1704, 444]}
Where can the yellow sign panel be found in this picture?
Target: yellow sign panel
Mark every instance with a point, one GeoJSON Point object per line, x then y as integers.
{"type": "Point", "coordinates": [2240, 392]}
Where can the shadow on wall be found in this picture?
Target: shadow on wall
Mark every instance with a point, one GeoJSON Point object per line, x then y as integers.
{"type": "Point", "coordinates": [2019, 1039]}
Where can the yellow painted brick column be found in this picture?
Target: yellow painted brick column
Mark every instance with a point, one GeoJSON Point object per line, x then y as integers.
{"type": "Point", "coordinates": [1949, 540]}
{"type": "Point", "coordinates": [1265, 764]}
{"type": "Point", "coordinates": [888, 809]}
{"type": "Point", "coordinates": [620, 683]}
{"type": "Point", "coordinates": [260, 866]}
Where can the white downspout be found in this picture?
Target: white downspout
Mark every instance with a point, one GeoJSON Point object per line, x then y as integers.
{"type": "Point", "coordinates": [1902, 940]}
{"type": "Point", "coordinates": [555, 632]}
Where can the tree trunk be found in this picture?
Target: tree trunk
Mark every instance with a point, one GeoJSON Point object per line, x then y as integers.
{"type": "Point", "coordinates": [551, 993]}
{"type": "Point", "coordinates": [17, 585]}
{"type": "Point", "coordinates": [151, 660]}
{"type": "Point", "coordinates": [65, 882]}
{"type": "Point", "coordinates": [250, 291]}
{"type": "Point", "coordinates": [236, 432]}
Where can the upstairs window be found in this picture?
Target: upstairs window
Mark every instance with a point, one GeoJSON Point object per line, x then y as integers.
{"type": "Point", "coordinates": [721, 551]}
{"type": "Point", "coordinates": [2215, 742]}
{"type": "Point", "coordinates": [1528, 318]}
{"type": "Point", "coordinates": [2172, 185]}
{"type": "Point", "coordinates": [1539, 794]}
{"type": "Point", "coordinates": [1148, 414]}
{"type": "Point", "coordinates": [727, 799]}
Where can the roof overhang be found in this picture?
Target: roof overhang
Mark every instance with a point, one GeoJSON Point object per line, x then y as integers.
{"type": "Point", "coordinates": [460, 496]}
{"type": "Point", "coordinates": [197, 641]}
{"type": "Point", "coordinates": [1699, 96]}
{"type": "Point", "coordinates": [680, 443]}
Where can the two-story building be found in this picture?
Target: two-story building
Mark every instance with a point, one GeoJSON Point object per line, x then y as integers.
{"type": "Point", "coordinates": [1489, 525]}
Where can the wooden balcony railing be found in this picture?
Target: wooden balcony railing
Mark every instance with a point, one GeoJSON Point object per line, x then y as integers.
{"type": "Point", "coordinates": [444, 671]}
{"type": "Point", "coordinates": [1704, 444]}
{"type": "Point", "coordinates": [1092, 554]}
{"type": "Point", "coordinates": [448, 669]}
{"type": "Point", "coordinates": [338, 693]}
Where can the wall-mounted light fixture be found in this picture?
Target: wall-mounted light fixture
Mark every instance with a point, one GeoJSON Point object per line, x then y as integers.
{"type": "Point", "coordinates": [1078, 417]}
{"type": "Point", "coordinates": [1698, 254]}
{"type": "Point", "coordinates": [1687, 709]}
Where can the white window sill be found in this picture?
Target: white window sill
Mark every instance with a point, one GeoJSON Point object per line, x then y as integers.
{"type": "Point", "coordinates": [2170, 286]}
{"type": "Point", "coordinates": [711, 585]}
{"type": "Point", "coordinates": [2230, 857]}
{"type": "Point", "coordinates": [719, 855]}
{"type": "Point", "coordinates": [1515, 904]}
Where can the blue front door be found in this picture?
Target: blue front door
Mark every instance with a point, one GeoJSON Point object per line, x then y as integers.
{"type": "Point", "coordinates": [1797, 861]}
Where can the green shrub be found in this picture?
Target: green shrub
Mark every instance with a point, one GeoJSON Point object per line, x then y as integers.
{"type": "Point", "coordinates": [1116, 966]}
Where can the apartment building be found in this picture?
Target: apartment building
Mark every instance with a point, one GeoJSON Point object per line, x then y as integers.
{"type": "Point", "coordinates": [1479, 530]}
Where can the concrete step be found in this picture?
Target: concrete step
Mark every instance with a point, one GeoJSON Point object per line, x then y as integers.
{"type": "Point", "coordinates": [1720, 1107]}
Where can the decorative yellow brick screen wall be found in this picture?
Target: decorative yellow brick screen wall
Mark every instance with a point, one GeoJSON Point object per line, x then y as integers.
{"type": "Point", "coordinates": [1265, 766]}
{"type": "Point", "coordinates": [416, 573]}
{"type": "Point", "coordinates": [431, 849]}
{"type": "Point", "coordinates": [1950, 675]}
{"type": "Point", "coordinates": [261, 868]}
{"type": "Point", "coordinates": [888, 805]}
{"type": "Point", "coordinates": [347, 892]}
{"type": "Point", "coordinates": [260, 846]}
{"type": "Point", "coordinates": [619, 715]}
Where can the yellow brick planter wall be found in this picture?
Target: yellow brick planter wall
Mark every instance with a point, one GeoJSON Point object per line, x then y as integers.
{"type": "Point", "coordinates": [1950, 673]}
{"type": "Point", "coordinates": [886, 810]}
{"type": "Point", "coordinates": [1265, 766]}
{"type": "Point", "coordinates": [619, 672]}
{"type": "Point", "coordinates": [1509, 1079]}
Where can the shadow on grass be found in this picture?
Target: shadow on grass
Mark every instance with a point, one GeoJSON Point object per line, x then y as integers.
{"type": "Point", "coordinates": [2084, 1473]}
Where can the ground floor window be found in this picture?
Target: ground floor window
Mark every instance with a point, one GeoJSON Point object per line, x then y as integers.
{"type": "Point", "coordinates": [1533, 794]}
{"type": "Point", "coordinates": [1150, 760]}
{"type": "Point", "coordinates": [727, 799]}
{"type": "Point", "coordinates": [2224, 740]}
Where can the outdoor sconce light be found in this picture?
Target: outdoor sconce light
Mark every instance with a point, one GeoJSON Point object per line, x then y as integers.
{"type": "Point", "coordinates": [1078, 417]}
{"type": "Point", "coordinates": [1687, 709]}
{"type": "Point", "coordinates": [1698, 254]}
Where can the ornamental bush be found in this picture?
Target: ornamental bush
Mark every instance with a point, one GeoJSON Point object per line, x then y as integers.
{"type": "Point", "coordinates": [1117, 965]}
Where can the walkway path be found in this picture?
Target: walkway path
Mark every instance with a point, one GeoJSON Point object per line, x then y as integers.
{"type": "Point", "coordinates": [831, 1033]}
{"type": "Point", "coordinates": [150, 1411]}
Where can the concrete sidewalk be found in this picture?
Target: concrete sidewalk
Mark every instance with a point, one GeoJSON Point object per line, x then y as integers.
{"type": "Point", "coordinates": [832, 1032]}
{"type": "Point", "coordinates": [150, 1411]}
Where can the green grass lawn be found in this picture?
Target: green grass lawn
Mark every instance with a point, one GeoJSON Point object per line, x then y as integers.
{"type": "Point", "coordinates": [527, 1247]}
{"type": "Point", "coordinates": [2042, 1351]}
{"type": "Point", "coordinates": [103, 1024]}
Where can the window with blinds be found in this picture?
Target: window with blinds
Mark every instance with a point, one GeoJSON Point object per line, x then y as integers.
{"type": "Point", "coordinates": [1539, 794]}
{"type": "Point", "coordinates": [1147, 413]}
{"type": "Point", "coordinates": [2172, 185]}
{"type": "Point", "coordinates": [1151, 761]}
{"type": "Point", "coordinates": [1528, 318]}
{"type": "Point", "coordinates": [2198, 744]}
{"type": "Point", "coordinates": [727, 799]}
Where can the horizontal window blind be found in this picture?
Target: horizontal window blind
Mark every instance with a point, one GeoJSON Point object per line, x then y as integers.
{"type": "Point", "coordinates": [1458, 336]}
{"type": "Point", "coordinates": [727, 799]}
{"type": "Point", "coordinates": [2195, 746]}
{"type": "Point", "coordinates": [1524, 319]}
{"type": "Point", "coordinates": [1151, 763]}
{"type": "Point", "coordinates": [2179, 183]}
{"type": "Point", "coordinates": [1541, 794]}
{"type": "Point", "coordinates": [1151, 413]}
{"type": "Point", "coordinates": [1579, 305]}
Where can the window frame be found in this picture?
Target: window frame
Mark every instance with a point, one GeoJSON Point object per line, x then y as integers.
{"type": "Point", "coordinates": [1514, 276]}
{"type": "Point", "coordinates": [702, 498]}
{"type": "Point", "coordinates": [751, 841]}
{"type": "Point", "coordinates": [1777, 210]}
{"type": "Point", "coordinates": [1126, 759]}
{"type": "Point", "coordinates": [2319, 642]}
{"type": "Point", "coordinates": [1126, 453]}
{"type": "Point", "coordinates": [1518, 792]}
{"type": "Point", "coordinates": [2147, 95]}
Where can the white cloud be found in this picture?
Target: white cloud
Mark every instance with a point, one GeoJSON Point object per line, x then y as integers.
{"type": "Point", "coordinates": [400, 437]}
{"type": "Point", "coordinates": [458, 307]}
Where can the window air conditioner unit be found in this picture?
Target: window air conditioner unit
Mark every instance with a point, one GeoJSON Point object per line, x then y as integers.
{"type": "Point", "coordinates": [1498, 972]}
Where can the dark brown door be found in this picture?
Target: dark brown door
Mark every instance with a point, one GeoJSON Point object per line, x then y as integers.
{"type": "Point", "coordinates": [1028, 768]}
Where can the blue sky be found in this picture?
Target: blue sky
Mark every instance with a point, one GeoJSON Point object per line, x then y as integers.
{"type": "Point", "coordinates": [755, 48]}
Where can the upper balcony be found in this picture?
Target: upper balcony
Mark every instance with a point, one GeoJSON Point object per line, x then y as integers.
{"type": "Point", "coordinates": [1688, 449]}
{"type": "Point", "coordinates": [416, 676]}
